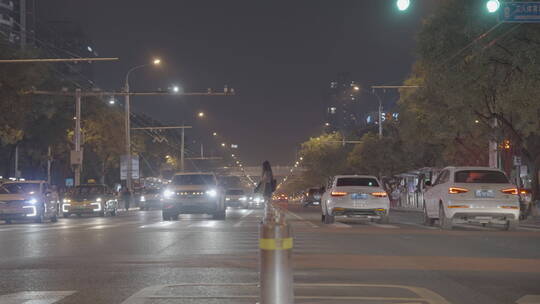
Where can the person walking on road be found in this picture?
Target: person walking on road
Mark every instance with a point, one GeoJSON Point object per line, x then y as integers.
{"type": "Point", "coordinates": [126, 196]}
{"type": "Point", "coordinates": [267, 185]}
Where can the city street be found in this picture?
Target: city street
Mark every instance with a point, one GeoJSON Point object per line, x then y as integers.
{"type": "Point", "coordinates": [138, 258]}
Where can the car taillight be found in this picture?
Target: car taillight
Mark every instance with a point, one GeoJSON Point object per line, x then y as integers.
{"type": "Point", "coordinates": [456, 190]}
{"type": "Point", "coordinates": [338, 193]}
{"type": "Point", "coordinates": [379, 194]}
{"type": "Point", "coordinates": [510, 191]}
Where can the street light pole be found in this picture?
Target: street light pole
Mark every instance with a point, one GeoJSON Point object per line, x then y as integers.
{"type": "Point", "coordinates": [78, 163]}
{"type": "Point", "coordinates": [127, 126]}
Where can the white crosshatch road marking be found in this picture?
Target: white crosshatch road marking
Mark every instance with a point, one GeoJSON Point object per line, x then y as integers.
{"type": "Point", "coordinates": [243, 291]}
{"type": "Point", "coordinates": [35, 297]}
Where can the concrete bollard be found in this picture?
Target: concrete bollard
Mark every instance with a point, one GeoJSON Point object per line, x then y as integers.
{"type": "Point", "coordinates": [275, 259]}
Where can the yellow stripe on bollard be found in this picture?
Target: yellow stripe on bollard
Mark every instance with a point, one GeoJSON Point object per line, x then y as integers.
{"type": "Point", "coordinates": [276, 244]}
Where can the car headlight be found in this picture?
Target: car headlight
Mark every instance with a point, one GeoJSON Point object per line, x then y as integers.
{"type": "Point", "coordinates": [168, 193]}
{"type": "Point", "coordinates": [66, 200]}
{"type": "Point", "coordinates": [97, 207]}
{"type": "Point", "coordinates": [32, 201]}
{"type": "Point", "coordinates": [227, 198]}
{"type": "Point", "coordinates": [98, 199]}
{"type": "Point", "coordinates": [33, 212]}
{"type": "Point", "coordinates": [212, 193]}
{"type": "Point", "coordinates": [243, 198]}
{"type": "Point", "coordinates": [143, 199]}
{"type": "Point", "coordinates": [65, 207]}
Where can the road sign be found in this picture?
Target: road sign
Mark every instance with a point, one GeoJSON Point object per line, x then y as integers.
{"type": "Point", "coordinates": [520, 12]}
{"type": "Point", "coordinates": [134, 167]}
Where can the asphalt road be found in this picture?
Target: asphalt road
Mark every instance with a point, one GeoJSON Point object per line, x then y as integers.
{"type": "Point", "coordinates": [137, 258]}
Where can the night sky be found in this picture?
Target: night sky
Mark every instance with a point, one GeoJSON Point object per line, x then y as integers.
{"type": "Point", "coordinates": [279, 56]}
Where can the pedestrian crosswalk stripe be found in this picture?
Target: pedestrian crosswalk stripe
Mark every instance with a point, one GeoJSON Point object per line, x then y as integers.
{"type": "Point", "coordinates": [41, 297]}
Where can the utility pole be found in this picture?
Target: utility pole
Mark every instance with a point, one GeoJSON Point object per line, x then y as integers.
{"type": "Point", "coordinates": [49, 164]}
{"type": "Point", "coordinates": [182, 151]}
{"type": "Point", "coordinates": [22, 23]}
{"type": "Point", "coordinates": [17, 175]}
{"type": "Point", "coordinates": [77, 162]}
{"type": "Point", "coordinates": [127, 127]}
{"type": "Point", "coordinates": [493, 147]}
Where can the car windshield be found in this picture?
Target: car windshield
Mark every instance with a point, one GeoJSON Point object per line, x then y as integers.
{"type": "Point", "coordinates": [19, 188]}
{"type": "Point", "coordinates": [357, 181]}
{"type": "Point", "coordinates": [235, 192]}
{"type": "Point", "coordinates": [480, 177]}
{"type": "Point", "coordinates": [194, 179]}
{"type": "Point", "coordinates": [89, 190]}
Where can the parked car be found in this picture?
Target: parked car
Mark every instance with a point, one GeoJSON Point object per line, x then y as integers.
{"type": "Point", "coordinates": [355, 196]}
{"type": "Point", "coordinates": [90, 199]}
{"type": "Point", "coordinates": [28, 200]}
{"type": "Point", "coordinates": [194, 193]}
{"type": "Point", "coordinates": [151, 198]}
{"type": "Point", "coordinates": [471, 194]}
{"type": "Point", "coordinates": [236, 198]}
{"type": "Point", "coordinates": [312, 197]}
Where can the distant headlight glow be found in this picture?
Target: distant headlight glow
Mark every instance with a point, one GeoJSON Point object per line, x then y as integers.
{"type": "Point", "coordinates": [98, 199]}
{"type": "Point", "coordinates": [32, 201]}
{"type": "Point", "coordinates": [66, 200]}
{"type": "Point", "coordinates": [243, 198]}
{"type": "Point", "coordinates": [168, 193]}
{"type": "Point", "coordinates": [143, 199]}
{"type": "Point", "coordinates": [212, 193]}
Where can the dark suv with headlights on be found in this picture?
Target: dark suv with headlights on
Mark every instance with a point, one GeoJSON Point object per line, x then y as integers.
{"type": "Point", "coordinates": [193, 193]}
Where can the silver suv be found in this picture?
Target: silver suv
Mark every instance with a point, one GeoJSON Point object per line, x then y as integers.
{"type": "Point", "coordinates": [193, 193]}
{"type": "Point", "coordinates": [28, 200]}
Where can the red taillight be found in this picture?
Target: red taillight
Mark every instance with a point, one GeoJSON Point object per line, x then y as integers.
{"type": "Point", "coordinates": [379, 194]}
{"type": "Point", "coordinates": [456, 190]}
{"type": "Point", "coordinates": [338, 193]}
{"type": "Point", "coordinates": [510, 191]}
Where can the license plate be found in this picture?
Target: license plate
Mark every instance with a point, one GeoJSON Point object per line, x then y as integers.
{"type": "Point", "coordinates": [483, 217]}
{"type": "Point", "coordinates": [484, 193]}
{"type": "Point", "coordinates": [359, 196]}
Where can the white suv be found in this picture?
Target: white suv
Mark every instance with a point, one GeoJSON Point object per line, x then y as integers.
{"type": "Point", "coordinates": [471, 194]}
{"type": "Point", "coordinates": [358, 196]}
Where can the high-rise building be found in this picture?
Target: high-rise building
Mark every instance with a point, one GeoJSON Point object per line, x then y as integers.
{"type": "Point", "coordinates": [17, 21]}
{"type": "Point", "coordinates": [342, 107]}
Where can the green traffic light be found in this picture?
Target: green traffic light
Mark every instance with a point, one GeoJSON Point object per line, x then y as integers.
{"type": "Point", "coordinates": [403, 5]}
{"type": "Point", "coordinates": [493, 5]}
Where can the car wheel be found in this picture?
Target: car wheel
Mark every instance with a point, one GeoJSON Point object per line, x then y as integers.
{"type": "Point", "coordinates": [511, 225]}
{"type": "Point", "coordinates": [444, 222]}
{"type": "Point", "coordinates": [329, 219]}
{"type": "Point", "coordinates": [113, 213]}
{"type": "Point", "coordinates": [54, 219]}
{"type": "Point", "coordinates": [323, 218]}
{"type": "Point", "coordinates": [385, 219]}
{"type": "Point", "coordinates": [65, 215]}
{"type": "Point", "coordinates": [220, 215]}
{"type": "Point", "coordinates": [166, 216]}
{"type": "Point", "coordinates": [79, 215]}
{"type": "Point", "coordinates": [102, 214]}
{"type": "Point", "coordinates": [427, 220]}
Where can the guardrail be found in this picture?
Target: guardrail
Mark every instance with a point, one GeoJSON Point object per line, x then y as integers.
{"type": "Point", "coordinates": [275, 258]}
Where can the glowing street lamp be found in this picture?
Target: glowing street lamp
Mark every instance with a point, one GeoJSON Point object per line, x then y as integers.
{"type": "Point", "coordinates": [201, 114]}
{"type": "Point", "coordinates": [493, 6]}
{"type": "Point", "coordinates": [403, 5]}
